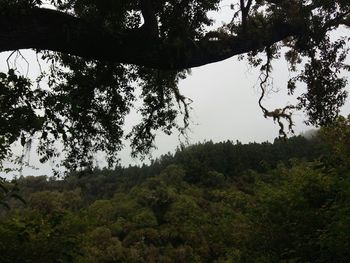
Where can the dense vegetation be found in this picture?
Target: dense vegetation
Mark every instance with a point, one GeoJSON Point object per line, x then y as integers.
{"type": "Point", "coordinates": [99, 60]}
{"type": "Point", "coordinates": [287, 201]}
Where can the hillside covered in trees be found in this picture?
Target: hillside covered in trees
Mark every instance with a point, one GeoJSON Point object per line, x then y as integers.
{"type": "Point", "coordinates": [287, 201]}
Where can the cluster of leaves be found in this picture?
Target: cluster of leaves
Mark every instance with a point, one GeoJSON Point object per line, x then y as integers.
{"type": "Point", "coordinates": [87, 101]}
{"type": "Point", "coordinates": [316, 54]}
{"type": "Point", "coordinates": [295, 212]}
{"type": "Point", "coordinates": [18, 106]}
{"type": "Point", "coordinates": [85, 108]}
{"type": "Point", "coordinates": [325, 55]}
{"type": "Point", "coordinates": [338, 137]}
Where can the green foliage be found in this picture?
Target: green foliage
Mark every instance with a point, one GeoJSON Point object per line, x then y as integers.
{"type": "Point", "coordinates": [337, 137]}
{"type": "Point", "coordinates": [281, 211]}
{"type": "Point", "coordinates": [9, 191]}
{"type": "Point", "coordinates": [32, 236]}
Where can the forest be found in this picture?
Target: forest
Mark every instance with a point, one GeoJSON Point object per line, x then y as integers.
{"type": "Point", "coordinates": [286, 201]}
{"type": "Point", "coordinates": [93, 63]}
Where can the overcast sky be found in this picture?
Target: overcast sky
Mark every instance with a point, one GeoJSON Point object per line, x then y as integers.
{"type": "Point", "coordinates": [225, 106]}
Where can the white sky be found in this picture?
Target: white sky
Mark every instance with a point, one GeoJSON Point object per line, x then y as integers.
{"type": "Point", "coordinates": [225, 107]}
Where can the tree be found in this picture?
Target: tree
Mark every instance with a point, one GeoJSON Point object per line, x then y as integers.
{"type": "Point", "coordinates": [337, 137]}
{"type": "Point", "coordinates": [99, 51]}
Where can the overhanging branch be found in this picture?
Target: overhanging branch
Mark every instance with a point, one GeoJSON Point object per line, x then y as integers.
{"type": "Point", "coordinates": [46, 29]}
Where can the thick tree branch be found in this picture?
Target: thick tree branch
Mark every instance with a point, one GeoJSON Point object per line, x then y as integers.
{"type": "Point", "coordinates": [46, 29]}
{"type": "Point", "coordinates": [149, 16]}
{"type": "Point", "coordinates": [245, 11]}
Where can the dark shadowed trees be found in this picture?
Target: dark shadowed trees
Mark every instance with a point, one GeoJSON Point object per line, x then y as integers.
{"type": "Point", "coordinates": [99, 52]}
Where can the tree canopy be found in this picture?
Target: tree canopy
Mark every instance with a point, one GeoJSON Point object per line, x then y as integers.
{"type": "Point", "coordinates": [103, 55]}
{"type": "Point", "coordinates": [286, 201]}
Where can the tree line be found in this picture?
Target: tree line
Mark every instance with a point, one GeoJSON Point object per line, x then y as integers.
{"type": "Point", "coordinates": [286, 201]}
